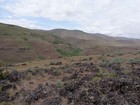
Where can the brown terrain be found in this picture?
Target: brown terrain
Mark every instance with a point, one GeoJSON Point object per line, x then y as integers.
{"type": "Point", "coordinates": [19, 44]}
{"type": "Point", "coordinates": [67, 67]}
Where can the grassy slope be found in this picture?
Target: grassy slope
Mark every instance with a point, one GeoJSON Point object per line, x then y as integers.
{"type": "Point", "coordinates": [19, 44]}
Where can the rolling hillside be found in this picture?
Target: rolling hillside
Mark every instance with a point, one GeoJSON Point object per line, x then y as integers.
{"type": "Point", "coordinates": [94, 39]}
{"type": "Point", "coordinates": [19, 44]}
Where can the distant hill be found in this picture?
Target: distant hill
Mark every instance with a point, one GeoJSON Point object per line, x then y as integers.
{"type": "Point", "coordinates": [18, 44]}
{"type": "Point", "coordinates": [94, 39]}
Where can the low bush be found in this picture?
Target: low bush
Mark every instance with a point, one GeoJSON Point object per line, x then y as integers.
{"type": "Point", "coordinates": [111, 62]}
{"type": "Point", "coordinates": [56, 63]}
{"type": "Point", "coordinates": [3, 103]}
{"type": "Point", "coordinates": [59, 84]}
{"type": "Point", "coordinates": [2, 63]}
{"type": "Point", "coordinates": [134, 61]}
{"type": "Point", "coordinates": [101, 73]}
{"type": "Point", "coordinates": [55, 72]}
{"type": "Point", "coordinates": [96, 78]}
{"type": "Point", "coordinates": [111, 75]}
{"type": "Point", "coordinates": [3, 74]}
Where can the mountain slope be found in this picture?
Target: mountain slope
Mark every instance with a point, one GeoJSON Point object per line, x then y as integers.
{"type": "Point", "coordinates": [94, 39]}
{"type": "Point", "coordinates": [18, 44]}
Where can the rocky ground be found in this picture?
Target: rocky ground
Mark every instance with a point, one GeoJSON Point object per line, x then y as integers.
{"type": "Point", "coordinates": [84, 82]}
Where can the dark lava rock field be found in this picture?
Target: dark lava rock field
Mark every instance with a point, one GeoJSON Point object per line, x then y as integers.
{"type": "Point", "coordinates": [80, 83]}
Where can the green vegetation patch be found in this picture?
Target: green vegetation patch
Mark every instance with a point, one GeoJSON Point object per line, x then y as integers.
{"type": "Point", "coordinates": [59, 84]}
{"type": "Point", "coordinates": [100, 73]}
{"type": "Point", "coordinates": [96, 78]}
{"type": "Point", "coordinates": [39, 36]}
{"type": "Point", "coordinates": [69, 53]}
{"type": "Point", "coordinates": [134, 61]}
{"type": "Point", "coordinates": [3, 103]}
{"type": "Point", "coordinates": [2, 63]}
{"type": "Point", "coordinates": [113, 61]}
{"type": "Point", "coordinates": [3, 74]}
{"type": "Point", "coordinates": [41, 57]}
{"type": "Point", "coordinates": [112, 75]}
{"type": "Point", "coordinates": [58, 40]}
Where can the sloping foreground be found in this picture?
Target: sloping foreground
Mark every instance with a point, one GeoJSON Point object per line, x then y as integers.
{"type": "Point", "coordinates": [84, 82]}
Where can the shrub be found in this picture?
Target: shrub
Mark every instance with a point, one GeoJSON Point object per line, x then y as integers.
{"type": "Point", "coordinates": [134, 61]}
{"type": "Point", "coordinates": [13, 76]}
{"type": "Point", "coordinates": [3, 103]}
{"type": "Point", "coordinates": [117, 61]}
{"type": "Point", "coordinates": [102, 57]}
{"type": "Point", "coordinates": [1, 88]}
{"type": "Point", "coordinates": [126, 71]}
{"type": "Point", "coordinates": [111, 62]}
{"type": "Point", "coordinates": [56, 63]}
{"type": "Point", "coordinates": [59, 84]}
{"type": "Point", "coordinates": [96, 78]}
{"type": "Point", "coordinates": [3, 74]}
{"type": "Point", "coordinates": [111, 74]}
{"type": "Point", "coordinates": [90, 58]}
{"type": "Point", "coordinates": [55, 72]}
{"type": "Point", "coordinates": [104, 63]}
{"type": "Point", "coordinates": [41, 57]}
{"type": "Point", "coordinates": [2, 63]}
{"type": "Point", "coordinates": [101, 73]}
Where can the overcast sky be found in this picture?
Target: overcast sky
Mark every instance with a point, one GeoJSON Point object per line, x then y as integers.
{"type": "Point", "coordinates": [112, 17]}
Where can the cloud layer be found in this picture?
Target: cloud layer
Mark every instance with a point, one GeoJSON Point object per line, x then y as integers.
{"type": "Point", "coordinates": [113, 17]}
